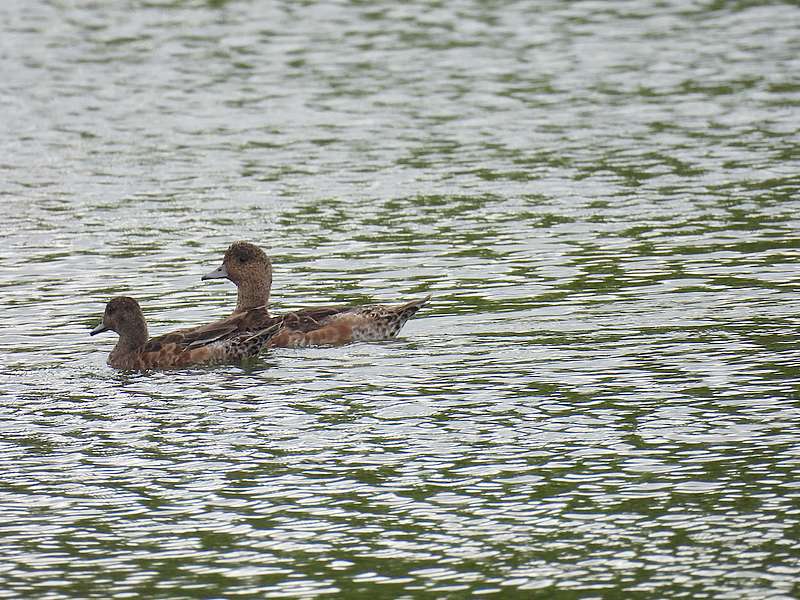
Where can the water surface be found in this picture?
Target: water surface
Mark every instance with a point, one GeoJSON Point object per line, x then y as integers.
{"type": "Point", "coordinates": [599, 402]}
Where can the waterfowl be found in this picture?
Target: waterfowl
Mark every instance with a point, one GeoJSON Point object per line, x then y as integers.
{"type": "Point", "coordinates": [202, 346]}
{"type": "Point", "coordinates": [250, 269]}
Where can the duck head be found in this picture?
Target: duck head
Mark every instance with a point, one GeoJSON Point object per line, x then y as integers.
{"type": "Point", "coordinates": [124, 316]}
{"type": "Point", "coordinates": [249, 267]}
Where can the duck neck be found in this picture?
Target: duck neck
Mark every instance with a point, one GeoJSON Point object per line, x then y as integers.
{"type": "Point", "coordinates": [130, 340]}
{"type": "Point", "coordinates": [253, 293]}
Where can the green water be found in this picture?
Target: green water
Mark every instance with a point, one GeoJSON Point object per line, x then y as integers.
{"type": "Point", "coordinates": [601, 399]}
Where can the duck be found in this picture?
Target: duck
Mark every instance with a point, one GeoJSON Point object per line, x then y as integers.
{"type": "Point", "coordinates": [208, 345]}
{"type": "Point", "coordinates": [249, 268]}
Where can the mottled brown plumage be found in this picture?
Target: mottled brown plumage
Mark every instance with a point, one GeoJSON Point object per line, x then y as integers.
{"type": "Point", "coordinates": [212, 344]}
{"type": "Point", "coordinates": [250, 269]}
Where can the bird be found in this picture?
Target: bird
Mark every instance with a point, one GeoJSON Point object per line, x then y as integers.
{"type": "Point", "coordinates": [250, 269]}
{"type": "Point", "coordinates": [203, 346]}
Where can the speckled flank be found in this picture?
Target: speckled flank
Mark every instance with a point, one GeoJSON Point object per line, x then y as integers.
{"type": "Point", "coordinates": [249, 345]}
{"type": "Point", "coordinates": [383, 322]}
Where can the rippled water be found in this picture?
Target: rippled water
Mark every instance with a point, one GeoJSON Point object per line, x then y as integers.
{"type": "Point", "coordinates": [600, 400]}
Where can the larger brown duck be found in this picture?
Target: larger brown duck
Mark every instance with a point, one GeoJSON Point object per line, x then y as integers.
{"type": "Point", "coordinates": [202, 346]}
{"type": "Point", "coordinates": [247, 266]}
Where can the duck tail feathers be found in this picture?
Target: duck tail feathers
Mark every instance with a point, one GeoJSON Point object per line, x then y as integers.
{"type": "Point", "coordinates": [409, 309]}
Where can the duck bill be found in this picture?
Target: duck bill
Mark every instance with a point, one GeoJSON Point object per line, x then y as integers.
{"type": "Point", "coordinates": [99, 329]}
{"type": "Point", "coordinates": [220, 273]}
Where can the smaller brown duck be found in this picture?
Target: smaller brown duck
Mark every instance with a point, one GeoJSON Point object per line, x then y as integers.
{"type": "Point", "coordinates": [203, 346]}
{"type": "Point", "coordinates": [247, 266]}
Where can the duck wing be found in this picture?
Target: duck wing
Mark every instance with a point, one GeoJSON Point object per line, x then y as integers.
{"type": "Point", "coordinates": [309, 319]}
{"type": "Point", "coordinates": [191, 338]}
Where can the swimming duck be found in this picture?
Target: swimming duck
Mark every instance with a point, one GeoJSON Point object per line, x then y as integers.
{"type": "Point", "coordinates": [204, 345]}
{"type": "Point", "coordinates": [247, 266]}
